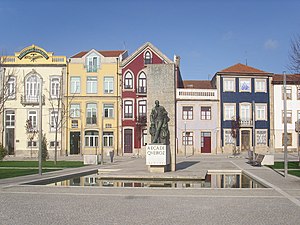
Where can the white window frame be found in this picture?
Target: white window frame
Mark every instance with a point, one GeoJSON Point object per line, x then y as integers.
{"type": "Point", "coordinates": [128, 109]}
{"type": "Point", "coordinates": [55, 87]}
{"type": "Point", "coordinates": [245, 111]}
{"type": "Point", "coordinates": [74, 110]}
{"type": "Point", "coordinates": [128, 80]}
{"type": "Point", "coordinates": [108, 110]}
{"type": "Point", "coordinates": [92, 63]}
{"type": "Point", "coordinates": [91, 112]}
{"type": "Point", "coordinates": [11, 88]}
{"type": "Point", "coordinates": [75, 85]}
{"type": "Point", "coordinates": [91, 140]}
{"type": "Point", "coordinates": [228, 139]}
{"type": "Point", "coordinates": [188, 138]}
{"type": "Point", "coordinates": [187, 114]}
{"type": "Point", "coordinates": [205, 114]}
{"type": "Point", "coordinates": [142, 108]}
{"type": "Point", "coordinates": [260, 85]}
{"type": "Point", "coordinates": [32, 116]}
{"type": "Point", "coordinates": [288, 112]}
{"type": "Point", "coordinates": [260, 111]}
{"type": "Point", "coordinates": [243, 82]}
{"type": "Point", "coordinates": [226, 106]}
{"type": "Point", "coordinates": [108, 85]}
{"type": "Point", "coordinates": [142, 83]}
{"type": "Point", "coordinates": [259, 139]}
{"type": "Point", "coordinates": [91, 85]}
{"type": "Point", "coordinates": [52, 144]}
{"type": "Point", "coordinates": [32, 88]}
{"type": "Point", "coordinates": [54, 116]}
{"type": "Point", "coordinates": [10, 119]}
{"type": "Point", "coordinates": [289, 93]}
{"type": "Point", "coordinates": [229, 85]}
{"type": "Point", "coordinates": [108, 139]}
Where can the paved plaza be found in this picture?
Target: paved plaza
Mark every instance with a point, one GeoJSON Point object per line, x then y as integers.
{"type": "Point", "coordinates": [277, 204]}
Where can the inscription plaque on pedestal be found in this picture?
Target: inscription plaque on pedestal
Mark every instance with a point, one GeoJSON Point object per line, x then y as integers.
{"type": "Point", "coordinates": [157, 155]}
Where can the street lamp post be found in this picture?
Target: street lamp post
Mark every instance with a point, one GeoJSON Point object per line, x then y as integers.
{"type": "Point", "coordinates": [285, 125]}
{"type": "Point", "coordinates": [185, 138]}
{"type": "Point", "coordinates": [40, 125]}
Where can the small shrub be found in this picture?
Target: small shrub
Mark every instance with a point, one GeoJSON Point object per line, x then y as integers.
{"type": "Point", "coordinates": [45, 155]}
{"type": "Point", "coordinates": [3, 152]}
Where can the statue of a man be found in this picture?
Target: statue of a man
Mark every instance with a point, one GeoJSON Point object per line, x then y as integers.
{"type": "Point", "coordinates": [159, 124]}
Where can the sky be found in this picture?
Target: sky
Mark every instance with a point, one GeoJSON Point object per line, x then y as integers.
{"type": "Point", "coordinates": [209, 36]}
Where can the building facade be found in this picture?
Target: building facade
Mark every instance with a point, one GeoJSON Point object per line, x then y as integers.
{"type": "Point", "coordinates": [197, 118]}
{"type": "Point", "coordinates": [134, 96]}
{"type": "Point", "coordinates": [93, 100]}
{"type": "Point", "coordinates": [292, 114]}
{"type": "Point", "coordinates": [245, 109]}
{"type": "Point", "coordinates": [23, 76]}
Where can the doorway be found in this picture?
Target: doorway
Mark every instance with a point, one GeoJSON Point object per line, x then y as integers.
{"type": "Point", "coordinates": [205, 142]}
{"type": "Point", "coordinates": [10, 140]}
{"type": "Point", "coordinates": [74, 143]}
{"type": "Point", "coordinates": [128, 141]}
{"type": "Point", "coordinates": [245, 140]}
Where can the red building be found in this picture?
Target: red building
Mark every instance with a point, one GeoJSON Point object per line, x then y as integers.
{"type": "Point", "coordinates": [134, 96]}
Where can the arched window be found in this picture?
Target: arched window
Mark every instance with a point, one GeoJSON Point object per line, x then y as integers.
{"type": "Point", "coordinates": [32, 88]}
{"type": "Point", "coordinates": [148, 58]}
{"type": "Point", "coordinates": [128, 81]}
{"type": "Point", "coordinates": [142, 83]}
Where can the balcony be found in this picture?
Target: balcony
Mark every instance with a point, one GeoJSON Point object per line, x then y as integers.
{"type": "Point", "coordinates": [91, 120]}
{"type": "Point", "coordinates": [246, 123]}
{"type": "Point", "coordinates": [91, 69]}
{"type": "Point", "coordinates": [142, 90]}
{"type": "Point", "coordinates": [32, 100]}
{"type": "Point", "coordinates": [196, 94]}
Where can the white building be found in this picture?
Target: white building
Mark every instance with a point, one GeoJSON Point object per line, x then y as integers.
{"type": "Point", "coordinates": [293, 110]}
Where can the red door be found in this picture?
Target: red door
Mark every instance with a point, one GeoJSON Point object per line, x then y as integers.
{"type": "Point", "coordinates": [205, 142]}
{"type": "Point", "coordinates": [127, 141]}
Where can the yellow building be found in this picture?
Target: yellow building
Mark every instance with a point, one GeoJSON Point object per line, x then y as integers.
{"type": "Point", "coordinates": [93, 96]}
{"type": "Point", "coordinates": [22, 76]}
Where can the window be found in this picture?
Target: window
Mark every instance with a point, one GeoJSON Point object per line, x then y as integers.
{"type": "Point", "coordinates": [144, 137]}
{"type": "Point", "coordinates": [288, 116]}
{"type": "Point", "coordinates": [261, 137]}
{"type": "Point", "coordinates": [92, 63]}
{"type": "Point", "coordinates": [298, 93]}
{"type": "Point", "coordinates": [32, 88]}
{"type": "Point", "coordinates": [245, 111]}
{"type": "Point", "coordinates": [142, 108]}
{"type": "Point", "coordinates": [52, 144]}
{"type": "Point", "coordinates": [148, 58]}
{"type": "Point", "coordinates": [108, 139]}
{"type": "Point", "coordinates": [128, 81]}
{"type": "Point", "coordinates": [128, 109]}
{"type": "Point", "coordinates": [108, 110]}
{"type": "Point", "coordinates": [261, 112]}
{"type": "Point", "coordinates": [31, 144]}
{"type": "Point", "coordinates": [187, 138]}
{"type": "Point", "coordinates": [53, 120]}
{"type": "Point", "coordinates": [187, 112]}
{"type": "Point", "coordinates": [32, 120]}
{"type": "Point", "coordinates": [289, 139]}
{"type": "Point", "coordinates": [11, 89]}
{"type": "Point", "coordinates": [74, 110]}
{"type": "Point", "coordinates": [245, 85]}
{"type": "Point", "coordinates": [228, 139]}
{"type": "Point", "coordinates": [91, 117]}
{"type": "Point", "coordinates": [205, 113]}
{"type": "Point", "coordinates": [108, 85]}
{"type": "Point", "coordinates": [75, 85]}
{"type": "Point", "coordinates": [91, 138]}
{"type": "Point", "coordinates": [91, 85]}
{"type": "Point", "coordinates": [55, 87]}
{"type": "Point", "coordinates": [142, 88]}
{"type": "Point", "coordinates": [288, 93]}
{"type": "Point", "coordinates": [229, 84]}
{"type": "Point", "coordinates": [260, 85]}
{"type": "Point", "coordinates": [9, 118]}
{"type": "Point", "coordinates": [74, 123]}
{"type": "Point", "coordinates": [229, 111]}
{"type": "Point", "coordinates": [298, 115]}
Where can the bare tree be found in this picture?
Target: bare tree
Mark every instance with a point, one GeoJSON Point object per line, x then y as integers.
{"type": "Point", "coordinates": [294, 55]}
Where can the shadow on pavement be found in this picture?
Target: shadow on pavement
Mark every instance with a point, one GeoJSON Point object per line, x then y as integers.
{"type": "Point", "coordinates": [184, 165]}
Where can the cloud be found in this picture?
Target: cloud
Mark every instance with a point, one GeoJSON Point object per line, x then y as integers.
{"type": "Point", "coordinates": [227, 36]}
{"type": "Point", "coordinates": [271, 44]}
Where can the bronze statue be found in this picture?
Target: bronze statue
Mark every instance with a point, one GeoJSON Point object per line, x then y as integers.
{"type": "Point", "coordinates": [159, 129]}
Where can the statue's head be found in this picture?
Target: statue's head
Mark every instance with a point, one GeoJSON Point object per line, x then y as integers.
{"type": "Point", "coordinates": [156, 102]}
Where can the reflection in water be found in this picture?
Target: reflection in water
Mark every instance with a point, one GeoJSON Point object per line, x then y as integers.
{"type": "Point", "coordinates": [213, 180]}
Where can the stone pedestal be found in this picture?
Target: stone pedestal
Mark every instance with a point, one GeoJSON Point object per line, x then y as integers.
{"type": "Point", "coordinates": [158, 158]}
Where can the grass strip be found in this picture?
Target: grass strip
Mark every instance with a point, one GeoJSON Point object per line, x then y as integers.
{"type": "Point", "coordinates": [59, 164]}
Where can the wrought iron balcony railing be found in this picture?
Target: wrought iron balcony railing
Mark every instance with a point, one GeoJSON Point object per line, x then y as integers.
{"type": "Point", "coordinates": [32, 100]}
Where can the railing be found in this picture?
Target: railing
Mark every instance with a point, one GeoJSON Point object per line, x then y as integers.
{"type": "Point", "coordinates": [128, 115]}
{"type": "Point", "coordinates": [210, 94]}
{"type": "Point", "coordinates": [91, 69]}
{"type": "Point", "coordinates": [91, 120]}
{"type": "Point", "coordinates": [127, 86]}
{"type": "Point", "coordinates": [58, 59]}
{"type": "Point", "coordinates": [9, 59]}
{"type": "Point", "coordinates": [32, 100]}
{"type": "Point", "coordinates": [142, 90]}
{"type": "Point", "coordinates": [246, 123]}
